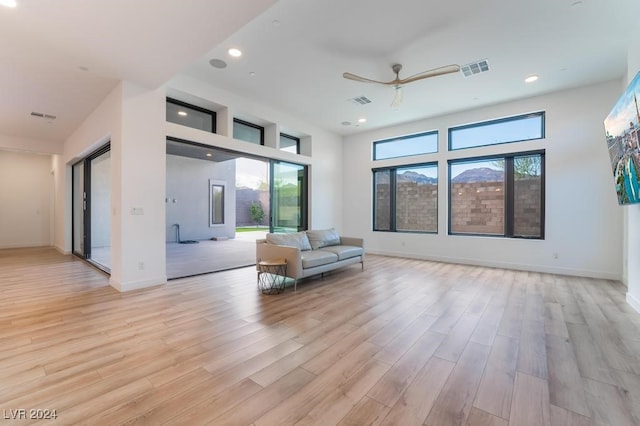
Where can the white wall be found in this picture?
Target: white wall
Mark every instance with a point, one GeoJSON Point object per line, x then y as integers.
{"type": "Point", "coordinates": [583, 220]}
{"type": "Point", "coordinates": [632, 212]}
{"type": "Point", "coordinates": [26, 194]}
{"type": "Point", "coordinates": [131, 118]}
{"type": "Point", "coordinates": [101, 126]}
{"type": "Point", "coordinates": [30, 145]}
{"type": "Point", "coordinates": [188, 185]}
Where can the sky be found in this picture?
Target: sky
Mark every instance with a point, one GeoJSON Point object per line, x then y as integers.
{"type": "Point", "coordinates": [624, 111]}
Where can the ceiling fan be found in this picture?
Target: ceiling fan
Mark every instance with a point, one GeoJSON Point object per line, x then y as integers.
{"type": "Point", "coordinates": [398, 82]}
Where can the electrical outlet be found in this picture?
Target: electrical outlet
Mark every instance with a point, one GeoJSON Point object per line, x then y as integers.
{"type": "Point", "coordinates": [555, 255]}
{"type": "Point", "coordinates": [141, 265]}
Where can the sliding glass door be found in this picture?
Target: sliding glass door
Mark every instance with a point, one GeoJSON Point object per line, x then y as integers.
{"type": "Point", "coordinates": [79, 205]}
{"type": "Point", "coordinates": [92, 207]}
{"type": "Point", "coordinates": [288, 197]}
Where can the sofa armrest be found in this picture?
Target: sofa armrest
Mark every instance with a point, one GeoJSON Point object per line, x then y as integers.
{"type": "Point", "coordinates": [265, 251]}
{"type": "Point", "coordinates": [352, 241]}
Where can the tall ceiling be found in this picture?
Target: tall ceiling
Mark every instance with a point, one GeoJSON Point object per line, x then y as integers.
{"type": "Point", "coordinates": [62, 57]}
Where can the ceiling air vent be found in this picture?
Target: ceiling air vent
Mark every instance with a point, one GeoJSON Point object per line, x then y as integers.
{"type": "Point", "coordinates": [474, 68]}
{"type": "Point", "coordinates": [360, 100]}
{"type": "Point", "coordinates": [43, 116]}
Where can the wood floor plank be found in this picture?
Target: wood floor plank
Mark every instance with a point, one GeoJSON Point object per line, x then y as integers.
{"type": "Point", "coordinates": [629, 386]}
{"type": "Point", "coordinates": [554, 322]}
{"type": "Point", "coordinates": [606, 404]}
{"type": "Point", "coordinates": [496, 387]}
{"type": "Point", "coordinates": [261, 402]}
{"type": "Point", "coordinates": [591, 361]}
{"type": "Point", "coordinates": [478, 417]}
{"type": "Point", "coordinates": [366, 412]}
{"type": "Point", "coordinates": [389, 389]}
{"type": "Point", "coordinates": [338, 403]}
{"type": "Point", "coordinates": [453, 345]}
{"type": "Point", "coordinates": [565, 382]}
{"type": "Point", "coordinates": [530, 405]}
{"type": "Point", "coordinates": [532, 355]}
{"type": "Point", "coordinates": [417, 400]}
{"type": "Point", "coordinates": [454, 402]}
{"type": "Point", "coordinates": [562, 417]}
{"type": "Point", "coordinates": [403, 342]}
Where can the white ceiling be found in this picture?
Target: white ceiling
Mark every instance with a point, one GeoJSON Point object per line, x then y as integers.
{"type": "Point", "coordinates": [298, 50]}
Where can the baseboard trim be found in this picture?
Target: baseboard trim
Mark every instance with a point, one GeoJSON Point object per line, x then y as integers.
{"type": "Point", "coordinates": [506, 265]}
{"type": "Point", "coordinates": [61, 250]}
{"type": "Point", "coordinates": [23, 245]}
{"type": "Point", "coordinates": [633, 302]}
{"type": "Point", "coordinates": [137, 285]}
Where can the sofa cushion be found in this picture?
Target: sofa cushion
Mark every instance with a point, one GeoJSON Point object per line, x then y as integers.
{"type": "Point", "coordinates": [298, 240]}
{"type": "Point", "coordinates": [345, 252]}
{"type": "Point", "coordinates": [323, 238]}
{"type": "Point", "coordinates": [313, 258]}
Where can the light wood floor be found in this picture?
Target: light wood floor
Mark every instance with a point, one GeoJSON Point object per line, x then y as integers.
{"type": "Point", "coordinates": [404, 342]}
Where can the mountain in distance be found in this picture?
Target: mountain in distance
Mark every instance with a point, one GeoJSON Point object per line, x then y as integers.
{"type": "Point", "coordinates": [419, 178]}
{"type": "Point", "coordinates": [481, 174]}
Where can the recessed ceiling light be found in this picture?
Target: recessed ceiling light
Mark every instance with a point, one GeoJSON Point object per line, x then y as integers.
{"type": "Point", "coordinates": [576, 3]}
{"type": "Point", "coordinates": [209, 154]}
{"type": "Point", "coordinates": [346, 123]}
{"type": "Point", "coordinates": [252, 74]}
{"type": "Point", "coordinates": [531, 79]}
{"type": "Point", "coordinates": [182, 113]}
{"type": "Point", "coordinates": [8, 3]}
{"type": "Point", "coordinates": [218, 63]}
{"type": "Point", "coordinates": [83, 68]}
{"type": "Point", "coordinates": [236, 53]}
{"type": "Point", "coordinates": [362, 120]}
{"type": "Point", "coordinates": [275, 23]}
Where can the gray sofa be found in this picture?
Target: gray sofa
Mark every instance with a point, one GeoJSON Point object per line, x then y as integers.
{"type": "Point", "coordinates": [311, 252]}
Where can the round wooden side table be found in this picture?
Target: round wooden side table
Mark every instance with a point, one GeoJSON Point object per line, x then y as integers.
{"type": "Point", "coordinates": [272, 275]}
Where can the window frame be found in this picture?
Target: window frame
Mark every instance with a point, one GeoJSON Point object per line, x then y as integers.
{"type": "Point", "coordinates": [213, 185]}
{"type": "Point", "coordinates": [293, 138]}
{"type": "Point", "coordinates": [197, 108]}
{"type": "Point", "coordinates": [403, 137]}
{"type": "Point", "coordinates": [393, 197]}
{"type": "Point", "coordinates": [509, 193]}
{"type": "Point", "coordinates": [540, 114]}
{"type": "Point", "coordinates": [248, 124]}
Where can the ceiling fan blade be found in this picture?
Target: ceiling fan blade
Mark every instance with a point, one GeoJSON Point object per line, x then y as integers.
{"type": "Point", "coordinates": [354, 77]}
{"type": "Point", "coordinates": [447, 69]}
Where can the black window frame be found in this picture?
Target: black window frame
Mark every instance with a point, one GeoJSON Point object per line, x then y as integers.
{"type": "Point", "coordinates": [509, 202]}
{"type": "Point", "coordinates": [540, 114]}
{"type": "Point", "coordinates": [392, 197]}
{"type": "Point", "coordinates": [255, 126]}
{"type": "Point", "coordinates": [197, 108]}
{"type": "Point", "coordinates": [293, 138]}
{"type": "Point", "coordinates": [403, 137]}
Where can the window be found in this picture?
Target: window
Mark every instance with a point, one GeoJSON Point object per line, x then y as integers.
{"type": "Point", "coordinates": [498, 195]}
{"type": "Point", "coordinates": [403, 146]}
{"type": "Point", "coordinates": [512, 129]}
{"type": "Point", "coordinates": [191, 116]}
{"type": "Point", "coordinates": [289, 143]}
{"type": "Point", "coordinates": [406, 198]}
{"type": "Point", "coordinates": [248, 132]}
{"type": "Point", "coordinates": [216, 203]}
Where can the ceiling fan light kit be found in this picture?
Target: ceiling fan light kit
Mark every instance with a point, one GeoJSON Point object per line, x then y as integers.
{"type": "Point", "coordinates": [398, 82]}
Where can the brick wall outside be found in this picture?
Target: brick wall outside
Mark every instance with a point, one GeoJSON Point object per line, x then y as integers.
{"type": "Point", "coordinates": [416, 207]}
{"type": "Point", "coordinates": [477, 207]}
{"type": "Point", "coordinates": [528, 193]}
